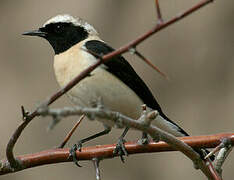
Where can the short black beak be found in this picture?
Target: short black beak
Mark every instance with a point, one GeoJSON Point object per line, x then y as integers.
{"type": "Point", "coordinates": [35, 33]}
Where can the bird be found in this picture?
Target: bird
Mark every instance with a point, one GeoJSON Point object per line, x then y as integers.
{"type": "Point", "coordinates": [77, 45]}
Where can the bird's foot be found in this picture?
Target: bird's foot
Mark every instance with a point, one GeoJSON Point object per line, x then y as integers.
{"type": "Point", "coordinates": [143, 141]}
{"type": "Point", "coordinates": [73, 150]}
{"type": "Point", "coordinates": [156, 139]}
{"type": "Point", "coordinates": [120, 149]}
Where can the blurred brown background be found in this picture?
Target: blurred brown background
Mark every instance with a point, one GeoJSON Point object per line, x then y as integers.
{"type": "Point", "coordinates": [196, 53]}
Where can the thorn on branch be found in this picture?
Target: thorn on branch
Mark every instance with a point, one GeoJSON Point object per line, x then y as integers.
{"type": "Point", "coordinates": [150, 64]}
{"type": "Point", "coordinates": [96, 162]}
{"type": "Point", "coordinates": [71, 132]}
{"type": "Point", "coordinates": [25, 113]}
{"type": "Point", "coordinates": [160, 19]}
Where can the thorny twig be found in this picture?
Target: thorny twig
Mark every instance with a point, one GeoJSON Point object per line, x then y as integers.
{"type": "Point", "coordinates": [123, 121]}
{"type": "Point", "coordinates": [71, 132]}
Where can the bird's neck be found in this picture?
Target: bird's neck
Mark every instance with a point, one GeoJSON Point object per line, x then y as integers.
{"type": "Point", "coordinates": [73, 61]}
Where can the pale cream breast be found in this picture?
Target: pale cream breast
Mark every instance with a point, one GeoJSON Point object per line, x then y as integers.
{"type": "Point", "coordinates": [114, 94]}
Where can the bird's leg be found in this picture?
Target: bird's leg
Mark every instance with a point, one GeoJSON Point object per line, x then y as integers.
{"type": "Point", "coordinates": [120, 148]}
{"type": "Point", "coordinates": [78, 145]}
{"type": "Point", "coordinates": [144, 139]}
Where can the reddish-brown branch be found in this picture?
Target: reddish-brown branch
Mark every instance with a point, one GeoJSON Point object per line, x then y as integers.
{"type": "Point", "coordinates": [10, 146]}
{"type": "Point", "coordinates": [142, 124]}
{"type": "Point", "coordinates": [106, 151]}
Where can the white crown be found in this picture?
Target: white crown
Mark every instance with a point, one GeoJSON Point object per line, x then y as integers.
{"type": "Point", "coordinates": [66, 18]}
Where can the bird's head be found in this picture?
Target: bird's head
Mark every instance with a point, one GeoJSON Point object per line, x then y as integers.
{"type": "Point", "coordinates": [64, 31]}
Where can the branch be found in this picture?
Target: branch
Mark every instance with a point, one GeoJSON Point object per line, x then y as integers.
{"type": "Point", "coordinates": [106, 151]}
{"type": "Point", "coordinates": [143, 124]}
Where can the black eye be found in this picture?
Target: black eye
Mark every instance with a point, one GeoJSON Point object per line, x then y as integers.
{"type": "Point", "coordinates": [58, 29]}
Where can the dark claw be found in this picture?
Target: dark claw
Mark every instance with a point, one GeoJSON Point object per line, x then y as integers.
{"type": "Point", "coordinates": [79, 145]}
{"type": "Point", "coordinates": [143, 141]}
{"type": "Point", "coordinates": [122, 158]}
{"type": "Point", "coordinates": [72, 153]}
{"type": "Point", "coordinates": [120, 149]}
{"type": "Point", "coordinates": [156, 139]}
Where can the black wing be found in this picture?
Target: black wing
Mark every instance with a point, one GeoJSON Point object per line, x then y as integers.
{"type": "Point", "coordinates": [119, 67]}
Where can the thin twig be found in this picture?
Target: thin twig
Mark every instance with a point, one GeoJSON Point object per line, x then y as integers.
{"type": "Point", "coordinates": [71, 132]}
{"type": "Point", "coordinates": [14, 163]}
{"type": "Point", "coordinates": [150, 64]}
{"type": "Point", "coordinates": [24, 113]}
{"type": "Point", "coordinates": [160, 19]}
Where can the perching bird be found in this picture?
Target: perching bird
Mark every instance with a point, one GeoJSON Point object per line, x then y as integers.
{"type": "Point", "coordinates": [115, 82]}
